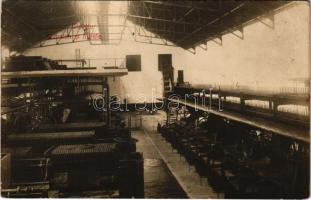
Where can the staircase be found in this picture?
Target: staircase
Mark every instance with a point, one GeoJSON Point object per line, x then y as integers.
{"type": "Point", "coordinates": [167, 81]}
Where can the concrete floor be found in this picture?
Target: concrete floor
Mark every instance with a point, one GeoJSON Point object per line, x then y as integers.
{"type": "Point", "coordinates": [158, 179]}
{"type": "Point", "coordinates": [153, 145]}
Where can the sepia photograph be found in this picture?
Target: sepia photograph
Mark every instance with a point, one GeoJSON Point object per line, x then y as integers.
{"type": "Point", "coordinates": [155, 99]}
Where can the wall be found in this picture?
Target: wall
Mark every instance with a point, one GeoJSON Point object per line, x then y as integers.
{"type": "Point", "coordinates": [138, 86]}
{"type": "Point", "coordinates": [266, 57]}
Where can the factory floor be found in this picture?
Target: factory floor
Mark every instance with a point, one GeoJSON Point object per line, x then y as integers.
{"type": "Point", "coordinates": [159, 181]}
{"type": "Point", "coordinates": [167, 174]}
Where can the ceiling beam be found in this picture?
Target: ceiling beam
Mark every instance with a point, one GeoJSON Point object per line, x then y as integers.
{"type": "Point", "coordinates": [163, 20]}
{"type": "Point", "coordinates": [185, 15]}
{"type": "Point", "coordinates": [181, 5]}
{"type": "Point", "coordinates": [213, 21]}
{"type": "Point", "coordinates": [34, 29]}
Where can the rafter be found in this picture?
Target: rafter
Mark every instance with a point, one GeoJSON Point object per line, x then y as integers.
{"type": "Point", "coordinates": [213, 21]}
{"type": "Point", "coordinates": [180, 5]}
{"type": "Point", "coordinates": [163, 20]}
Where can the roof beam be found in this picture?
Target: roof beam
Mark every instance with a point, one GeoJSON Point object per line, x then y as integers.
{"type": "Point", "coordinates": [162, 20]}
{"type": "Point", "coordinates": [155, 30]}
{"type": "Point", "coordinates": [269, 13]}
{"type": "Point", "coordinates": [191, 50]}
{"type": "Point", "coordinates": [168, 3]}
{"type": "Point", "coordinates": [270, 23]}
{"type": "Point", "coordinates": [203, 46]}
{"type": "Point", "coordinates": [34, 29]}
{"type": "Point", "coordinates": [218, 40]}
{"type": "Point", "coordinates": [240, 33]}
{"type": "Point", "coordinates": [185, 15]}
{"type": "Point", "coordinates": [213, 21]}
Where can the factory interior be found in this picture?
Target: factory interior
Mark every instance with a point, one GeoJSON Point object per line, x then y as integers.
{"type": "Point", "coordinates": [155, 99]}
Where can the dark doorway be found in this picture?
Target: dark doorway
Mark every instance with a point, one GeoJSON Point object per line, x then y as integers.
{"type": "Point", "coordinates": [164, 61]}
{"type": "Point", "coordinates": [180, 77]}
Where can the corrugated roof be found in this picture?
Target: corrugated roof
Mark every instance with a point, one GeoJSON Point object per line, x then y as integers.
{"type": "Point", "coordinates": [184, 23]}
{"type": "Point", "coordinates": [189, 23]}
{"type": "Point", "coordinates": [25, 23]}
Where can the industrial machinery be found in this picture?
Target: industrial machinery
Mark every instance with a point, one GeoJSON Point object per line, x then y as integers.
{"type": "Point", "coordinates": [288, 104]}
{"type": "Point", "coordinates": [263, 153]}
{"type": "Point", "coordinates": [54, 143]}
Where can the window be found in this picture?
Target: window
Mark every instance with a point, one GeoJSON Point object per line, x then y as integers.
{"type": "Point", "coordinates": [133, 63]}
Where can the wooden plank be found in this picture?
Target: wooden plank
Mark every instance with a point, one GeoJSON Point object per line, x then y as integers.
{"type": "Point", "coordinates": [295, 132]}
{"type": "Point", "coordinates": [65, 73]}
{"type": "Point", "coordinates": [72, 125]}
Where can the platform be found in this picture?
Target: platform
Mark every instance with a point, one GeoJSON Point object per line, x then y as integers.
{"type": "Point", "coordinates": [66, 73]}
{"type": "Point", "coordinates": [296, 132]}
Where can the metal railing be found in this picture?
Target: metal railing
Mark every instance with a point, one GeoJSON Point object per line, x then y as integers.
{"type": "Point", "coordinates": [106, 63]}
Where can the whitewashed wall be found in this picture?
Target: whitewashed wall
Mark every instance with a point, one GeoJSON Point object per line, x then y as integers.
{"type": "Point", "coordinates": [266, 57]}
{"type": "Point", "coordinates": [137, 86]}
